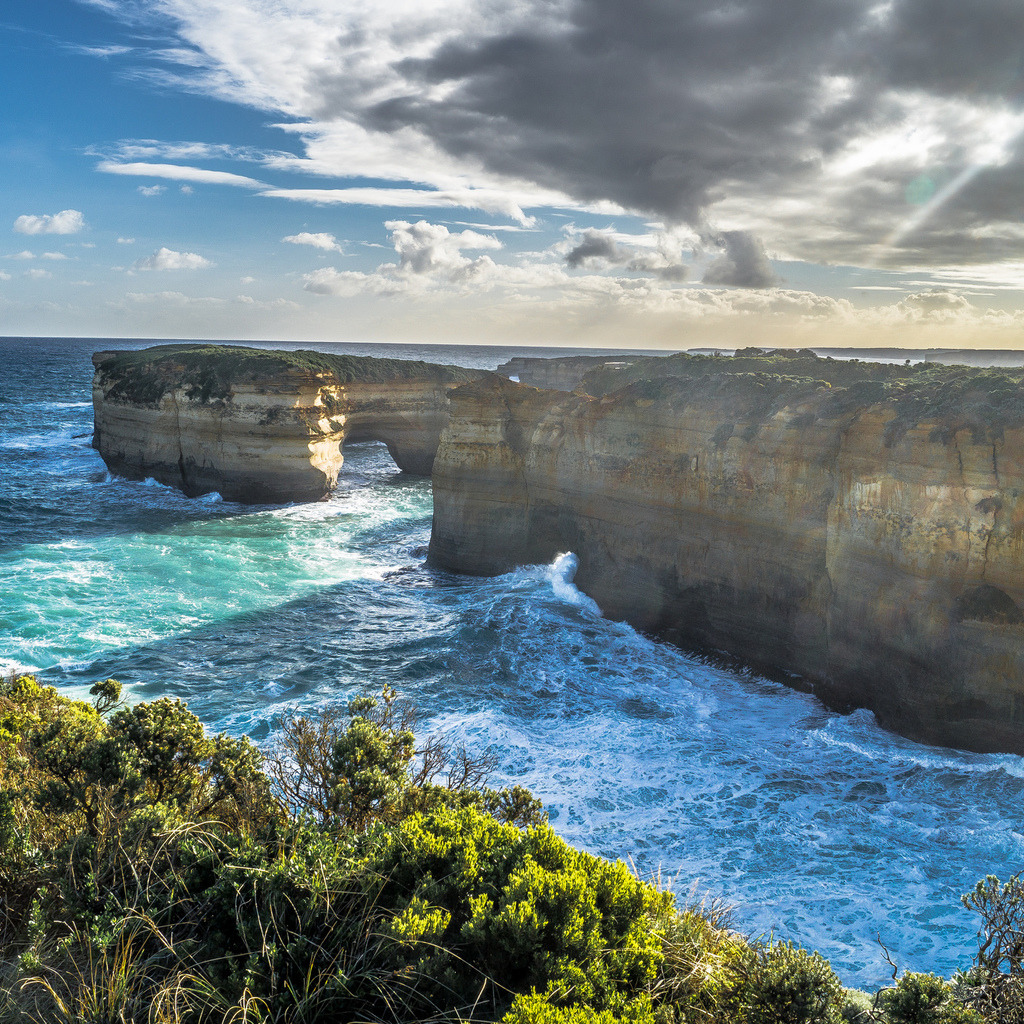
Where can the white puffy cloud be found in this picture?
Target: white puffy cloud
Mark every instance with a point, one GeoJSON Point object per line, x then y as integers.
{"type": "Point", "coordinates": [126, 241]}
{"type": "Point", "coordinates": [152, 190]}
{"type": "Point", "coordinates": [317, 239]}
{"type": "Point", "coordinates": [269, 304]}
{"type": "Point", "coordinates": [25, 254]}
{"type": "Point", "coordinates": [424, 247]}
{"type": "Point", "coordinates": [169, 259]}
{"type": "Point", "coordinates": [4, 276]}
{"type": "Point", "coordinates": [35, 274]}
{"type": "Point", "coordinates": [53, 256]}
{"type": "Point", "coordinates": [67, 222]}
{"type": "Point", "coordinates": [330, 281]}
{"type": "Point", "coordinates": [429, 255]}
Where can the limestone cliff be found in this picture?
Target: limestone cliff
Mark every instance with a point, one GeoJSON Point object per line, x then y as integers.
{"type": "Point", "coordinates": [864, 534]}
{"type": "Point", "coordinates": [260, 425]}
{"type": "Point", "coordinates": [563, 372]}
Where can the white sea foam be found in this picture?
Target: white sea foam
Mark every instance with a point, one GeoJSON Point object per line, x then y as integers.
{"type": "Point", "coordinates": [561, 573]}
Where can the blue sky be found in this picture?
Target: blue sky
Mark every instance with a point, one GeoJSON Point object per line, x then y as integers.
{"type": "Point", "coordinates": [565, 171]}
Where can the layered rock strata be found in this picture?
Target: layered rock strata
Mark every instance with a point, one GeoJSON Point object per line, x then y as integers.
{"type": "Point", "coordinates": [260, 426]}
{"type": "Point", "coordinates": [866, 538]}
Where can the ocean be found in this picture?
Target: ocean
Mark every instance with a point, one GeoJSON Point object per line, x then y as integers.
{"type": "Point", "coordinates": [814, 826]}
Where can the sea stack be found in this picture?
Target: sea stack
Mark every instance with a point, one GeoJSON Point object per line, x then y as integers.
{"type": "Point", "coordinates": [258, 425]}
{"type": "Point", "coordinates": [856, 528]}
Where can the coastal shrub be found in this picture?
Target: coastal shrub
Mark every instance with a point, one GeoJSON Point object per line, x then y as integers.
{"type": "Point", "coordinates": [857, 1007]}
{"type": "Point", "coordinates": [351, 767]}
{"type": "Point", "coordinates": [784, 984]}
{"type": "Point", "coordinates": [704, 961]}
{"type": "Point", "coordinates": [537, 1009]}
{"type": "Point", "coordinates": [995, 984]}
{"type": "Point", "coordinates": [72, 762]}
{"type": "Point", "coordinates": [509, 911]}
{"type": "Point", "coordinates": [176, 883]}
{"type": "Point", "coordinates": [924, 999]}
{"type": "Point", "coordinates": [152, 872]}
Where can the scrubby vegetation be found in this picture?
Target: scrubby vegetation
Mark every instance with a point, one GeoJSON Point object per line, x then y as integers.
{"type": "Point", "coordinates": [150, 872]}
{"type": "Point", "coordinates": [985, 402]}
{"type": "Point", "coordinates": [207, 372]}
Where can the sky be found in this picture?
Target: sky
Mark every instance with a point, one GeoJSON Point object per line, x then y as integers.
{"type": "Point", "coordinates": [620, 173]}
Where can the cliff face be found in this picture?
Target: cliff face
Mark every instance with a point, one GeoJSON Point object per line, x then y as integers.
{"type": "Point", "coordinates": [870, 542]}
{"type": "Point", "coordinates": [261, 426]}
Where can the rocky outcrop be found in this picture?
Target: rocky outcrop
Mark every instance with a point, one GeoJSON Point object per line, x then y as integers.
{"type": "Point", "coordinates": [867, 538]}
{"type": "Point", "coordinates": [259, 425]}
{"type": "Point", "coordinates": [563, 373]}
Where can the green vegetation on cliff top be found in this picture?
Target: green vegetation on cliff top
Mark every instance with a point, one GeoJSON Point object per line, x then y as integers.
{"type": "Point", "coordinates": [152, 873]}
{"type": "Point", "coordinates": [984, 401]}
{"type": "Point", "coordinates": [207, 372]}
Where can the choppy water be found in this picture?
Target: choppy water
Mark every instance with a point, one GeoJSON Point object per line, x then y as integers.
{"type": "Point", "coordinates": [815, 826]}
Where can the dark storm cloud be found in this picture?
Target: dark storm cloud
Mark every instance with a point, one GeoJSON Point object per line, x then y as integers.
{"type": "Point", "coordinates": [744, 263]}
{"type": "Point", "coordinates": [669, 106]}
{"type": "Point", "coordinates": [950, 47]}
{"type": "Point", "coordinates": [650, 104]}
{"type": "Point", "coordinates": [598, 246]}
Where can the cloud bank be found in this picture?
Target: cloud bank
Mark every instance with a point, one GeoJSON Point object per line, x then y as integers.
{"type": "Point", "coordinates": [843, 131]}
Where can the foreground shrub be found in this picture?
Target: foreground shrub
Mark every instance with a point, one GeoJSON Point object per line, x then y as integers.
{"type": "Point", "coordinates": [784, 984]}
{"type": "Point", "coordinates": [537, 1009]}
{"type": "Point", "coordinates": [161, 880]}
{"type": "Point", "coordinates": [857, 1007]}
{"type": "Point", "coordinates": [354, 766]}
{"type": "Point", "coordinates": [482, 907]}
{"type": "Point", "coordinates": [924, 999]}
{"type": "Point", "coordinates": [704, 964]}
{"type": "Point", "coordinates": [995, 984]}
{"type": "Point", "coordinates": [152, 873]}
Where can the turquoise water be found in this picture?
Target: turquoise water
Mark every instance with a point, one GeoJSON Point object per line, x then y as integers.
{"type": "Point", "coordinates": [818, 827]}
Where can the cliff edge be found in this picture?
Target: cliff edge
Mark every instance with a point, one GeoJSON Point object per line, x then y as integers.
{"type": "Point", "coordinates": [860, 526]}
{"type": "Point", "coordinates": [261, 425]}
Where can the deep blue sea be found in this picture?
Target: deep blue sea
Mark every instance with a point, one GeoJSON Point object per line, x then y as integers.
{"type": "Point", "coordinates": [815, 826]}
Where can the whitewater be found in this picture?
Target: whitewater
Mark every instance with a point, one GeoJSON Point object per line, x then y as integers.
{"type": "Point", "coordinates": [814, 826]}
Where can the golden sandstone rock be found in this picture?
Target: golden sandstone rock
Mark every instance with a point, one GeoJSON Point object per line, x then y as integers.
{"type": "Point", "coordinates": [857, 528]}
{"type": "Point", "coordinates": [262, 426]}
{"type": "Point", "coordinates": [879, 558]}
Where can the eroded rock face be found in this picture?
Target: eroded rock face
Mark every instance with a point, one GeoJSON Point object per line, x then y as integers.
{"type": "Point", "coordinates": [261, 426]}
{"type": "Point", "coordinates": [874, 549]}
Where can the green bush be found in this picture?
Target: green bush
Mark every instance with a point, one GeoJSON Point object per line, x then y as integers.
{"type": "Point", "coordinates": [924, 999]}
{"type": "Point", "coordinates": [857, 1007]}
{"type": "Point", "coordinates": [151, 872]}
{"type": "Point", "coordinates": [353, 767]}
{"type": "Point", "coordinates": [500, 909]}
{"type": "Point", "coordinates": [536, 1009]}
{"type": "Point", "coordinates": [784, 984]}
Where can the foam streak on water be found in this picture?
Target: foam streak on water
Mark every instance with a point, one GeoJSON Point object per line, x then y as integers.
{"type": "Point", "coordinates": [817, 827]}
